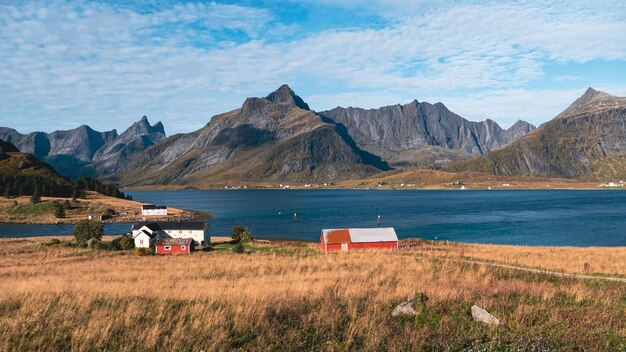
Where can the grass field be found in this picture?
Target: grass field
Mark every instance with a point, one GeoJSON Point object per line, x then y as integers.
{"type": "Point", "coordinates": [20, 210]}
{"type": "Point", "coordinates": [290, 296]}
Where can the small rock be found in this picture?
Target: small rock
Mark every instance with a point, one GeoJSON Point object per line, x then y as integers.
{"type": "Point", "coordinates": [404, 308]}
{"type": "Point", "coordinates": [483, 316]}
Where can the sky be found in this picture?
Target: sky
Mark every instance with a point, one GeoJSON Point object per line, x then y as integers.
{"type": "Point", "coordinates": [107, 63]}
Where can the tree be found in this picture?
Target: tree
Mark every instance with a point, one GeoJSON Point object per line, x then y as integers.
{"type": "Point", "coordinates": [86, 230]}
{"type": "Point", "coordinates": [75, 193]}
{"type": "Point", "coordinates": [67, 204]}
{"type": "Point", "coordinates": [59, 212]}
{"type": "Point", "coordinates": [242, 234]}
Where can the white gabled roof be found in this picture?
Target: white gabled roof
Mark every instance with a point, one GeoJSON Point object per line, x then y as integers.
{"type": "Point", "coordinates": [377, 234]}
{"type": "Point", "coordinates": [382, 234]}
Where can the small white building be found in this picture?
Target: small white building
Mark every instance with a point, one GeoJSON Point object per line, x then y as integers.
{"type": "Point", "coordinates": [151, 210]}
{"type": "Point", "coordinates": [144, 234]}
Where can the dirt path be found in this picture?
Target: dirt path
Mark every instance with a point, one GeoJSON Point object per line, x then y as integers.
{"type": "Point", "coordinates": [546, 272]}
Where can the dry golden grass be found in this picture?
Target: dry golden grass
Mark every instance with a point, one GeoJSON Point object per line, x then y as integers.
{"type": "Point", "coordinates": [289, 296]}
{"type": "Point", "coordinates": [587, 260]}
{"type": "Point", "coordinates": [94, 203]}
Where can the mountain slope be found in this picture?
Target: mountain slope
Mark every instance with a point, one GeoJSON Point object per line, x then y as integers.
{"type": "Point", "coordinates": [276, 138]}
{"type": "Point", "coordinates": [422, 134]}
{"type": "Point", "coordinates": [587, 140]}
{"type": "Point", "coordinates": [83, 151]}
{"type": "Point", "coordinates": [22, 172]}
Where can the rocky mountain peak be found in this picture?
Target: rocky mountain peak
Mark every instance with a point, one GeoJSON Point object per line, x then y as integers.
{"type": "Point", "coordinates": [284, 95]}
{"type": "Point", "coordinates": [143, 127]}
{"type": "Point", "coordinates": [590, 96]}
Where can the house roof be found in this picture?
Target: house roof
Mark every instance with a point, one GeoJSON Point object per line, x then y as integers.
{"type": "Point", "coordinates": [172, 225]}
{"type": "Point", "coordinates": [152, 206]}
{"type": "Point", "coordinates": [174, 242]}
{"type": "Point", "coordinates": [378, 234]}
{"type": "Point", "coordinates": [151, 225]}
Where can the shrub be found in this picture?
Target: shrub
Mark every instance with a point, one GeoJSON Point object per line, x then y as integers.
{"type": "Point", "coordinates": [238, 248]}
{"type": "Point", "coordinates": [242, 234]}
{"type": "Point", "coordinates": [59, 212]}
{"type": "Point", "coordinates": [35, 198]}
{"type": "Point", "coordinates": [126, 241]}
{"type": "Point", "coordinates": [52, 242]}
{"type": "Point", "coordinates": [109, 212]}
{"type": "Point", "coordinates": [143, 251]}
{"type": "Point", "coordinates": [15, 203]}
{"type": "Point", "coordinates": [104, 245]}
{"type": "Point", "coordinates": [67, 204]}
{"type": "Point", "coordinates": [86, 230]}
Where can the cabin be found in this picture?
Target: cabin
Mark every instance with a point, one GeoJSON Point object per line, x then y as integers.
{"type": "Point", "coordinates": [148, 232]}
{"type": "Point", "coordinates": [174, 246]}
{"type": "Point", "coordinates": [144, 234]}
{"type": "Point", "coordinates": [153, 210]}
{"type": "Point", "coordinates": [334, 240]}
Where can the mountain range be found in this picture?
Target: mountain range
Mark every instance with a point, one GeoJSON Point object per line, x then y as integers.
{"type": "Point", "coordinates": [85, 152]}
{"type": "Point", "coordinates": [587, 140]}
{"type": "Point", "coordinates": [278, 138]}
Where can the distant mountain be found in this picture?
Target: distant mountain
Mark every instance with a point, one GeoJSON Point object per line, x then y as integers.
{"type": "Point", "coordinates": [422, 134]}
{"type": "Point", "coordinates": [84, 151]}
{"type": "Point", "coordinates": [276, 138]}
{"type": "Point", "coordinates": [587, 140]}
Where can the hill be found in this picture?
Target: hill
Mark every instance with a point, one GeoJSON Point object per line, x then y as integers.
{"type": "Point", "coordinates": [587, 140]}
{"type": "Point", "coordinates": [272, 138]}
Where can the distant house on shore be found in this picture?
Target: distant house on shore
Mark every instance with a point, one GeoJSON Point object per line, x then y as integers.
{"type": "Point", "coordinates": [152, 210]}
{"type": "Point", "coordinates": [145, 234]}
{"type": "Point", "coordinates": [174, 246]}
{"type": "Point", "coordinates": [333, 240]}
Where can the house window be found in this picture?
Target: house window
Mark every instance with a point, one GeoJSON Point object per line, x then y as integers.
{"type": "Point", "coordinates": [167, 248]}
{"type": "Point", "coordinates": [140, 241]}
{"type": "Point", "coordinates": [183, 247]}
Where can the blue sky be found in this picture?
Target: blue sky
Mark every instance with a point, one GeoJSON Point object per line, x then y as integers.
{"type": "Point", "coordinates": [107, 63]}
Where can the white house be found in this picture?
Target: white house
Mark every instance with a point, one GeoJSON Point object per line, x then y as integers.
{"type": "Point", "coordinates": [151, 209]}
{"type": "Point", "coordinates": [145, 234]}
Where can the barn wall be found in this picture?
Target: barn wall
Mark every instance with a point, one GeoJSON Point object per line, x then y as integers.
{"type": "Point", "coordinates": [372, 245]}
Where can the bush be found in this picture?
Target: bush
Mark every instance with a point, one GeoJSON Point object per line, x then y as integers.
{"type": "Point", "coordinates": [143, 251]}
{"type": "Point", "coordinates": [238, 248]}
{"type": "Point", "coordinates": [126, 241]}
{"type": "Point", "coordinates": [35, 199]}
{"type": "Point", "coordinates": [59, 212]}
{"type": "Point", "coordinates": [86, 230]}
{"type": "Point", "coordinates": [104, 246]}
{"type": "Point", "coordinates": [109, 212]}
{"type": "Point", "coordinates": [52, 242]}
{"type": "Point", "coordinates": [242, 234]}
{"type": "Point", "coordinates": [67, 204]}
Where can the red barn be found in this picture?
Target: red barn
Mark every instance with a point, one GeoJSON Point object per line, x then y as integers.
{"type": "Point", "coordinates": [359, 239]}
{"type": "Point", "coordinates": [174, 246]}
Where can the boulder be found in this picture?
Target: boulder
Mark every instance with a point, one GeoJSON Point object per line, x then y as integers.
{"type": "Point", "coordinates": [404, 308]}
{"type": "Point", "coordinates": [483, 316]}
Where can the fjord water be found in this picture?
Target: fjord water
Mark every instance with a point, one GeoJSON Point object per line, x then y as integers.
{"type": "Point", "coordinates": [554, 217]}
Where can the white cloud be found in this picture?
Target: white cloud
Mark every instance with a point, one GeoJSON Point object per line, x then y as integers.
{"type": "Point", "coordinates": [105, 65]}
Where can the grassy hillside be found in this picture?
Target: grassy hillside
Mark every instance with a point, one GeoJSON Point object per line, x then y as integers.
{"type": "Point", "coordinates": [291, 297]}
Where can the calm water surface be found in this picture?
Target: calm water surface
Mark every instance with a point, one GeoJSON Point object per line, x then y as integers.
{"type": "Point", "coordinates": [556, 218]}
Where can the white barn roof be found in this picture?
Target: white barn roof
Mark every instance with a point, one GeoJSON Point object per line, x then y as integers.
{"type": "Point", "coordinates": [377, 234]}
